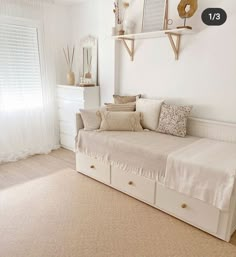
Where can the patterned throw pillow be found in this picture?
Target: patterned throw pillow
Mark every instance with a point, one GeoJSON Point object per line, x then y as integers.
{"type": "Point", "coordinates": [173, 120]}
{"type": "Point", "coordinates": [125, 99]}
{"type": "Point", "coordinates": [121, 121]}
{"type": "Point", "coordinates": [129, 107]}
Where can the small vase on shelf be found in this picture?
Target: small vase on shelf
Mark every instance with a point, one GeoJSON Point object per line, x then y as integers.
{"type": "Point", "coordinates": [71, 78]}
{"type": "Point", "coordinates": [119, 29]}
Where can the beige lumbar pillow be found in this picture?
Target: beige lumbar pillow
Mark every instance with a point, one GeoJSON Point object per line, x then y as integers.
{"type": "Point", "coordinates": [150, 110]}
{"type": "Point", "coordinates": [121, 121]}
{"type": "Point", "coordinates": [173, 120]}
{"type": "Point", "coordinates": [91, 119]}
{"type": "Point", "coordinates": [129, 107]}
{"type": "Point", "coordinates": [118, 99]}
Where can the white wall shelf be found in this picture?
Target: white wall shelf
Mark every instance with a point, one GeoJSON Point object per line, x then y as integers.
{"type": "Point", "coordinates": [170, 33]}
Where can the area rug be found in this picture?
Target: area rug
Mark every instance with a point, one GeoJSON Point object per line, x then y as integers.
{"type": "Point", "coordinates": [67, 214]}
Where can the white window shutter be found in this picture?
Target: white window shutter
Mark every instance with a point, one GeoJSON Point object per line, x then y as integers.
{"type": "Point", "coordinates": [20, 74]}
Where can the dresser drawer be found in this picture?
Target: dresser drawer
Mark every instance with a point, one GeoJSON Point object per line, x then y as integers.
{"type": "Point", "coordinates": [65, 115]}
{"type": "Point", "coordinates": [137, 186]}
{"type": "Point", "coordinates": [188, 209]}
{"type": "Point", "coordinates": [70, 93]}
{"type": "Point", "coordinates": [71, 106]}
{"type": "Point", "coordinates": [68, 128]}
{"type": "Point", "coordinates": [93, 168]}
{"type": "Point", "coordinates": [67, 141]}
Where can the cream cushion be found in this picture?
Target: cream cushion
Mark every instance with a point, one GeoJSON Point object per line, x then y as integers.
{"type": "Point", "coordinates": [91, 119]}
{"type": "Point", "coordinates": [118, 99]}
{"type": "Point", "coordinates": [121, 121]}
{"type": "Point", "coordinates": [150, 110]}
{"type": "Point", "coordinates": [129, 107]}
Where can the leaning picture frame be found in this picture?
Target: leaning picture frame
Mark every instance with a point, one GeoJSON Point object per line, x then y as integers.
{"type": "Point", "coordinates": [154, 15]}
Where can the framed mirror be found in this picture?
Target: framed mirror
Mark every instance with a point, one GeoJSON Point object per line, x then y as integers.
{"type": "Point", "coordinates": [88, 61]}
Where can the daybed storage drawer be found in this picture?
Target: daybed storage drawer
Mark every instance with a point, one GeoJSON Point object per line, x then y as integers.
{"type": "Point", "coordinates": [93, 168]}
{"type": "Point", "coordinates": [137, 186]}
{"type": "Point", "coordinates": [188, 209]}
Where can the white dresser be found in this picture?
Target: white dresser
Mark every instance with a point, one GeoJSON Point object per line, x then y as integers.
{"type": "Point", "coordinates": [70, 99]}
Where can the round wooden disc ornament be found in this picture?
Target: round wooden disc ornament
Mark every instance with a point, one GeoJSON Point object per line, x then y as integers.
{"type": "Point", "coordinates": [186, 9]}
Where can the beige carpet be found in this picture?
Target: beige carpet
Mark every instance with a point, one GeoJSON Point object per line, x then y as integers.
{"type": "Point", "coordinates": [66, 214]}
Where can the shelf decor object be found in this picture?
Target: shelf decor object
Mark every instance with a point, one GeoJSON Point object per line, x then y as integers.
{"type": "Point", "coordinates": [174, 36]}
{"type": "Point", "coordinates": [117, 10]}
{"type": "Point", "coordinates": [69, 61]}
{"type": "Point", "coordinates": [186, 9]}
{"type": "Point", "coordinates": [153, 15]}
{"type": "Point", "coordinates": [121, 23]}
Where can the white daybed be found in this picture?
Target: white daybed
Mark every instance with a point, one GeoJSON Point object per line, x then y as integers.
{"type": "Point", "coordinates": [131, 163]}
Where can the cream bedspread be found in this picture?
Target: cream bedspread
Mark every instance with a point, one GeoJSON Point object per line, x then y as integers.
{"type": "Point", "coordinates": [201, 168]}
{"type": "Point", "coordinates": [142, 153]}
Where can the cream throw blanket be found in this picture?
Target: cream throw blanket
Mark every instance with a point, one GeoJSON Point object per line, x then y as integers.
{"type": "Point", "coordinates": [142, 153]}
{"type": "Point", "coordinates": [205, 170]}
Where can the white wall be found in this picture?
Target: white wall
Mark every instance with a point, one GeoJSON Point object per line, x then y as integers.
{"type": "Point", "coordinates": [58, 35]}
{"type": "Point", "coordinates": [204, 75]}
{"type": "Point", "coordinates": [95, 18]}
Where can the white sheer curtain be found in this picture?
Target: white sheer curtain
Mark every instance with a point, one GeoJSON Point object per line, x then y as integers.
{"type": "Point", "coordinates": [27, 82]}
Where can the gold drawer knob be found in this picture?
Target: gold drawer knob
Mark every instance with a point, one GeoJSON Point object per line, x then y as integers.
{"type": "Point", "coordinates": [130, 183]}
{"type": "Point", "coordinates": [92, 167]}
{"type": "Point", "coordinates": [184, 206]}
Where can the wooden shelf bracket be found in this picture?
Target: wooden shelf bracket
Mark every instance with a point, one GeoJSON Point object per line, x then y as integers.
{"type": "Point", "coordinates": [130, 49]}
{"type": "Point", "coordinates": [173, 36]}
{"type": "Point", "coordinates": [175, 44]}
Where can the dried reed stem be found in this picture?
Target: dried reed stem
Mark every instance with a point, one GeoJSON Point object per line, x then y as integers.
{"type": "Point", "coordinates": [69, 58]}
